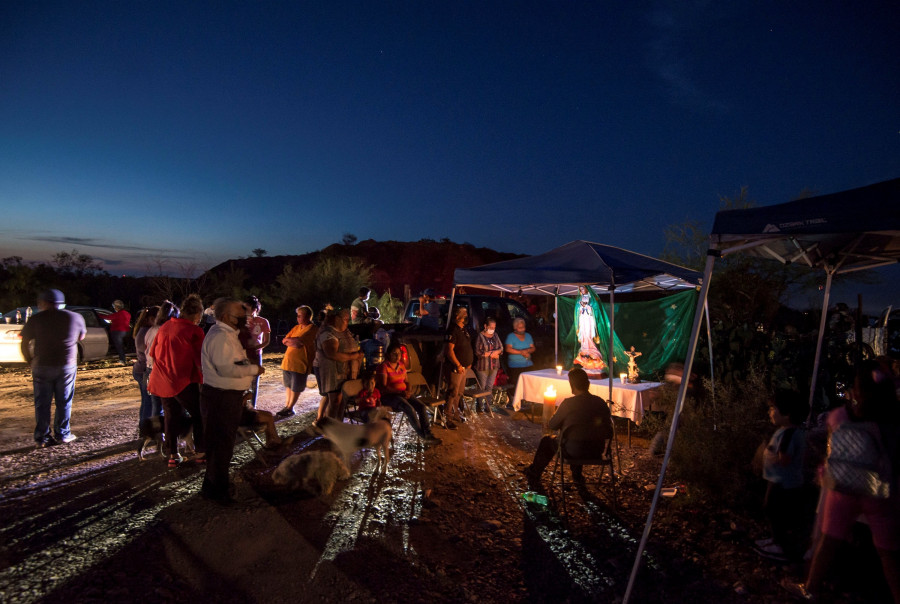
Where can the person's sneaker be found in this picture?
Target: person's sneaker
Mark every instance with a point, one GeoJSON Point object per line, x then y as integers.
{"type": "Point", "coordinates": [449, 425]}
{"type": "Point", "coordinates": [764, 542]}
{"type": "Point", "coordinates": [798, 590]}
{"type": "Point", "coordinates": [431, 439]}
{"type": "Point", "coordinates": [68, 438]}
{"type": "Point", "coordinates": [772, 551]}
{"type": "Point", "coordinates": [47, 442]}
{"type": "Point", "coordinates": [285, 413]}
{"type": "Point", "coordinates": [175, 461]}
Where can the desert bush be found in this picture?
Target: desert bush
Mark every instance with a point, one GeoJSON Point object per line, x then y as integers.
{"type": "Point", "coordinates": [391, 308]}
{"type": "Point", "coordinates": [335, 280]}
{"type": "Point", "coordinates": [715, 443]}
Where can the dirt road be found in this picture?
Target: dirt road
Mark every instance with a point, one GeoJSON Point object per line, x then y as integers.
{"type": "Point", "coordinates": [90, 522]}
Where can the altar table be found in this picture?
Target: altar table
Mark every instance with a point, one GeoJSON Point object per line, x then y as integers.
{"type": "Point", "coordinates": [627, 398]}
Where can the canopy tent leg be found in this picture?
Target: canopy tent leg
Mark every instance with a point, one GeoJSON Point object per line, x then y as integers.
{"type": "Point", "coordinates": [449, 318]}
{"type": "Point", "coordinates": [556, 327]}
{"type": "Point", "coordinates": [829, 273]}
{"type": "Point", "coordinates": [612, 330]}
{"type": "Point", "coordinates": [679, 404]}
{"type": "Point", "coordinates": [712, 373]}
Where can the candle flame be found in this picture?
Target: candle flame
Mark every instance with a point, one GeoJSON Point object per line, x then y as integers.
{"type": "Point", "coordinates": [550, 392]}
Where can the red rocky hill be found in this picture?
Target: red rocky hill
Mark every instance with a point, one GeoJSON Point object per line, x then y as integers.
{"type": "Point", "coordinates": [396, 264]}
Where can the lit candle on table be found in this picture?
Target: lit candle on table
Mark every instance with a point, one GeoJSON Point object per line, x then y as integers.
{"type": "Point", "coordinates": [559, 370]}
{"type": "Point", "coordinates": [549, 406]}
{"type": "Point", "coordinates": [623, 377]}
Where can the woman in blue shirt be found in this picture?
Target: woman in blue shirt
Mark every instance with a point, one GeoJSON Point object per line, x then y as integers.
{"type": "Point", "coordinates": [519, 348]}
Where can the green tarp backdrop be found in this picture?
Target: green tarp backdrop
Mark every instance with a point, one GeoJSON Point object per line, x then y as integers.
{"type": "Point", "coordinates": [658, 329]}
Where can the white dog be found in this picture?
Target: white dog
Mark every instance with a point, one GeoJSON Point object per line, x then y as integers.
{"type": "Point", "coordinates": [313, 471]}
{"type": "Point", "coordinates": [349, 438]}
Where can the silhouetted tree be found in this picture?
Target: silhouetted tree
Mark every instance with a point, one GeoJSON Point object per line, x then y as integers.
{"type": "Point", "coordinates": [349, 239]}
{"type": "Point", "coordinates": [76, 264]}
{"type": "Point", "coordinates": [259, 252]}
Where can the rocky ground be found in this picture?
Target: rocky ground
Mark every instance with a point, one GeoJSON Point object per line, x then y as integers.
{"type": "Point", "coordinates": [91, 522]}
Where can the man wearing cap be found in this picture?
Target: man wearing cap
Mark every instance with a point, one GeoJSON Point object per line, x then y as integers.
{"type": "Point", "coordinates": [55, 333]}
{"type": "Point", "coordinates": [429, 311]}
{"type": "Point", "coordinates": [227, 374]}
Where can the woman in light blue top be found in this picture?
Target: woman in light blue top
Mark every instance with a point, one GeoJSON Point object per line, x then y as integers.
{"type": "Point", "coordinates": [519, 348]}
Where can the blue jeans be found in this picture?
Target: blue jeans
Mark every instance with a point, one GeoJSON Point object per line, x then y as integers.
{"type": "Point", "coordinates": [486, 381]}
{"type": "Point", "coordinates": [414, 410]}
{"type": "Point", "coordinates": [254, 388]}
{"type": "Point", "coordinates": [50, 383]}
{"type": "Point", "coordinates": [118, 340]}
{"type": "Point", "coordinates": [155, 408]}
{"type": "Point", "coordinates": [148, 408]}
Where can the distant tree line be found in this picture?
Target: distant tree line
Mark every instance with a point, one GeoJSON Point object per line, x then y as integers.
{"type": "Point", "coordinates": [332, 279]}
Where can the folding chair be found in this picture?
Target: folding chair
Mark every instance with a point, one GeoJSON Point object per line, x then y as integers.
{"type": "Point", "coordinates": [249, 434]}
{"type": "Point", "coordinates": [604, 460]}
{"type": "Point", "coordinates": [472, 393]}
{"type": "Point", "coordinates": [349, 392]}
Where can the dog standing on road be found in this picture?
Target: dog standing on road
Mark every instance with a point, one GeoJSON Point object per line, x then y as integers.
{"type": "Point", "coordinates": [152, 429]}
{"type": "Point", "coordinates": [349, 438]}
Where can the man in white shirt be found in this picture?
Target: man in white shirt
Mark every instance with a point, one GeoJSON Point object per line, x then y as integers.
{"type": "Point", "coordinates": [227, 374]}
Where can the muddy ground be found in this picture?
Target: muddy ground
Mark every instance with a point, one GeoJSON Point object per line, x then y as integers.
{"type": "Point", "coordinates": [89, 521]}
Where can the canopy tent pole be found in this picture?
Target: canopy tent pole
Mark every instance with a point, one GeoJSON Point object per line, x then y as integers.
{"type": "Point", "coordinates": [556, 327]}
{"type": "Point", "coordinates": [612, 323]}
{"type": "Point", "coordinates": [829, 273]}
{"type": "Point", "coordinates": [682, 392]}
{"type": "Point", "coordinates": [449, 318]}
{"type": "Point", "coordinates": [712, 373]}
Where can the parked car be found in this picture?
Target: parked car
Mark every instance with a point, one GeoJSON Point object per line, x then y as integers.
{"type": "Point", "coordinates": [94, 346]}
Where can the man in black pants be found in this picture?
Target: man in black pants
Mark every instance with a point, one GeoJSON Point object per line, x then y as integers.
{"type": "Point", "coordinates": [227, 374]}
{"type": "Point", "coordinates": [590, 425]}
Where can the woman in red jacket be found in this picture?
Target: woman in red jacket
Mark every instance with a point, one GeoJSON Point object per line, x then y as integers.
{"type": "Point", "coordinates": [176, 376]}
{"type": "Point", "coordinates": [118, 328]}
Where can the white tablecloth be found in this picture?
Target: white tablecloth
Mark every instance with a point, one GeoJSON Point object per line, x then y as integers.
{"type": "Point", "coordinates": [627, 398]}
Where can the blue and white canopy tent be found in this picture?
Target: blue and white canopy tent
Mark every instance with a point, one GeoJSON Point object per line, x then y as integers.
{"type": "Point", "coordinates": [559, 272]}
{"type": "Point", "coordinates": [838, 233]}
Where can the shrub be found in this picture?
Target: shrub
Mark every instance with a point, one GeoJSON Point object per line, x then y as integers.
{"type": "Point", "coordinates": [716, 443]}
{"type": "Point", "coordinates": [391, 308]}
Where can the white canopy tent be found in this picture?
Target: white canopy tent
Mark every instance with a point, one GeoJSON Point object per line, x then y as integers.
{"type": "Point", "coordinates": [837, 233]}
{"type": "Point", "coordinates": [560, 271]}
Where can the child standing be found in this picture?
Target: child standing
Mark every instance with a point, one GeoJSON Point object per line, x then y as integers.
{"type": "Point", "coordinates": [783, 469]}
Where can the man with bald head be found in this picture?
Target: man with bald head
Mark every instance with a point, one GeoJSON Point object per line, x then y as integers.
{"type": "Point", "coordinates": [227, 374]}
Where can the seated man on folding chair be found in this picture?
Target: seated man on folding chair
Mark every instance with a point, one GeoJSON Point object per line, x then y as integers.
{"type": "Point", "coordinates": [583, 414]}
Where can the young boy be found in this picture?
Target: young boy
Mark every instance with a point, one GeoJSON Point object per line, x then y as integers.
{"type": "Point", "coordinates": [783, 469]}
{"type": "Point", "coordinates": [369, 397]}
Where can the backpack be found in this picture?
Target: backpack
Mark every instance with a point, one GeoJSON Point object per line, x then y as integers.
{"type": "Point", "coordinates": [857, 462]}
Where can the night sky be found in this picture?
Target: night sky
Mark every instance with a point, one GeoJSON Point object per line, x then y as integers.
{"type": "Point", "coordinates": [195, 132]}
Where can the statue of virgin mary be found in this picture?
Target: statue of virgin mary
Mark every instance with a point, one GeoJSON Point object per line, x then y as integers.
{"type": "Point", "coordinates": [586, 312]}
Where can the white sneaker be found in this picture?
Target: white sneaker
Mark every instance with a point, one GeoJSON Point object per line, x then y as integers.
{"type": "Point", "coordinates": [68, 438]}
{"type": "Point", "coordinates": [764, 542]}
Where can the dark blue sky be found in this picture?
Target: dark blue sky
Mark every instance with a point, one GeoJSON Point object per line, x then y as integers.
{"type": "Point", "coordinates": [198, 131]}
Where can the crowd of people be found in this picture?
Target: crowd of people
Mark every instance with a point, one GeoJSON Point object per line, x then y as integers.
{"type": "Point", "coordinates": [210, 377]}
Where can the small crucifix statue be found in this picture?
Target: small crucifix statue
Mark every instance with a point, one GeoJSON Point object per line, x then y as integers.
{"type": "Point", "coordinates": [632, 365]}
